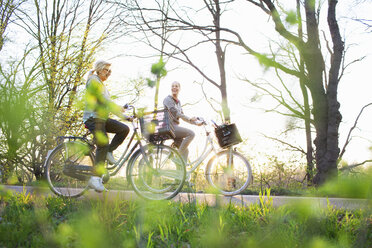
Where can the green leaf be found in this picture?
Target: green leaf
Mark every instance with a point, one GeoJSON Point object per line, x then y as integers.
{"type": "Point", "coordinates": [291, 18]}
{"type": "Point", "coordinates": [150, 83]}
{"type": "Point", "coordinates": [158, 69]}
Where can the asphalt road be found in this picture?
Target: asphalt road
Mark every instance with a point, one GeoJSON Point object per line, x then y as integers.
{"type": "Point", "coordinates": [214, 200]}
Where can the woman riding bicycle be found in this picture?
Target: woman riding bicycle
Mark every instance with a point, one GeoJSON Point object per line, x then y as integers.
{"type": "Point", "coordinates": [96, 113]}
{"type": "Point", "coordinates": [184, 136]}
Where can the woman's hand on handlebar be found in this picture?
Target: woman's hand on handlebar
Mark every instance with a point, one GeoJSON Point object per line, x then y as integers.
{"type": "Point", "coordinates": [130, 118]}
{"type": "Point", "coordinates": [198, 121]}
{"type": "Point", "coordinates": [128, 107]}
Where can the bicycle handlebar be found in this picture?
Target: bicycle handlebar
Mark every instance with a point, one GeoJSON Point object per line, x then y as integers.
{"type": "Point", "coordinates": [128, 106]}
{"type": "Point", "coordinates": [200, 120]}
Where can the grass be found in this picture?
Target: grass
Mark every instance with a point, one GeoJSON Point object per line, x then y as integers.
{"type": "Point", "coordinates": [29, 221]}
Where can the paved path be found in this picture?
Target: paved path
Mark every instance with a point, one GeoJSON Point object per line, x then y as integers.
{"type": "Point", "coordinates": [213, 200]}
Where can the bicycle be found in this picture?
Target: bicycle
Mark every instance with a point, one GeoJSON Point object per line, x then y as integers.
{"type": "Point", "coordinates": [69, 166]}
{"type": "Point", "coordinates": [227, 170]}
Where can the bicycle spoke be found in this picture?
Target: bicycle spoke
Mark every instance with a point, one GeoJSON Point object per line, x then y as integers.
{"type": "Point", "coordinates": [61, 172]}
{"type": "Point", "coordinates": [229, 172]}
{"type": "Point", "coordinates": [159, 177]}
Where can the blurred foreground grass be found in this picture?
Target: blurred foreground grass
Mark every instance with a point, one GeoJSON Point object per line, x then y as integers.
{"type": "Point", "coordinates": [28, 221]}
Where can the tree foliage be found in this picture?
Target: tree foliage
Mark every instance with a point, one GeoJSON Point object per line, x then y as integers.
{"type": "Point", "coordinates": [19, 117]}
{"type": "Point", "coordinates": [8, 11]}
{"type": "Point", "coordinates": [64, 38]}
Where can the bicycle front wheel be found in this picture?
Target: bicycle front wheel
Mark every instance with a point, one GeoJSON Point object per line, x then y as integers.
{"type": "Point", "coordinates": [68, 169]}
{"type": "Point", "coordinates": [157, 172]}
{"type": "Point", "coordinates": [229, 172]}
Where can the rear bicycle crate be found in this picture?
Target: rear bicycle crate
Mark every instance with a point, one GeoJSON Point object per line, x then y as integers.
{"type": "Point", "coordinates": [227, 135]}
{"type": "Point", "coordinates": [157, 126]}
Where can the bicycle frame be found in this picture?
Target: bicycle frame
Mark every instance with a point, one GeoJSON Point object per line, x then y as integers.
{"type": "Point", "coordinates": [207, 150]}
{"type": "Point", "coordinates": [125, 155]}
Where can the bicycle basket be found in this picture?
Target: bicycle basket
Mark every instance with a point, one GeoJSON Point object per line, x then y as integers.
{"type": "Point", "coordinates": [157, 126]}
{"type": "Point", "coordinates": [228, 135]}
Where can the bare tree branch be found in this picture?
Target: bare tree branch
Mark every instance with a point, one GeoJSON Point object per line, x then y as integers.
{"type": "Point", "coordinates": [350, 167]}
{"type": "Point", "coordinates": [348, 138]}
{"type": "Point", "coordinates": [295, 148]}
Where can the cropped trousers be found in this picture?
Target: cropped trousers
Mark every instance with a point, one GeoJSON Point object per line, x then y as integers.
{"type": "Point", "coordinates": [100, 128]}
{"type": "Point", "coordinates": [183, 138]}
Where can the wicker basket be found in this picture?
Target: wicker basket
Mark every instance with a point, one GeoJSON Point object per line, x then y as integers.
{"type": "Point", "coordinates": [157, 126]}
{"type": "Point", "coordinates": [228, 135]}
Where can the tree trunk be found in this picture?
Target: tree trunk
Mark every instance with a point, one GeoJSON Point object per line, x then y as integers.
{"type": "Point", "coordinates": [314, 63]}
{"type": "Point", "coordinates": [221, 64]}
{"type": "Point", "coordinates": [325, 105]}
{"type": "Point", "coordinates": [328, 167]}
{"type": "Point", "coordinates": [307, 111]}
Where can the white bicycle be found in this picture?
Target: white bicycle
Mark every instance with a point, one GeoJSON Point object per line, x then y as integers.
{"type": "Point", "coordinates": [227, 170]}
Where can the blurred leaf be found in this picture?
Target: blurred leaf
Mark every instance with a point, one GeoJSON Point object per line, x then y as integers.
{"type": "Point", "coordinates": [91, 232]}
{"type": "Point", "coordinates": [141, 112]}
{"type": "Point", "coordinates": [158, 69]}
{"type": "Point", "coordinates": [150, 127]}
{"type": "Point", "coordinates": [264, 60]}
{"type": "Point", "coordinates": [102, 139]}
{"type": "Point", "coordinates": [100, 169]}
{"type": "Point", "coordinates": [150, 83]}
{"type": "Point", "coordinates": [78, 149]}
{"type": "Point", "coordinates": [291, 18]}
{"type": "Point", "coordinates": [349, 187]}
{"type": "Point", "coordinates": [318, 242]}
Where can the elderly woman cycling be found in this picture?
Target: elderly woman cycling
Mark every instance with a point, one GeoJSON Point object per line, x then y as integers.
{"type": "Point", "coordinates": [96, 119]}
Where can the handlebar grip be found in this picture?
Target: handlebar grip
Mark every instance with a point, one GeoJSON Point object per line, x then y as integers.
{"type": "Point", "coordinates": [214, 124]}
{"type": "Point", "coordinates": [128, 106]}
{"type": "Point", "coordinates": [200, 120]}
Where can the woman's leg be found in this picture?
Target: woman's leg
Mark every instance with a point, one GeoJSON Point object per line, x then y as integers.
{"type": "Point", "coordinates": [121, 132]}
{"type": "Point", "coordinates": [187, 136]}
{"type": "Point", "coordinates": [98, 128]}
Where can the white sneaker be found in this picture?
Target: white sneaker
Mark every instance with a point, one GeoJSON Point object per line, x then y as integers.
{"type": "Point", "coordinates": [110, 158]}
{"type": "Point", "coordinates": [96, 184]}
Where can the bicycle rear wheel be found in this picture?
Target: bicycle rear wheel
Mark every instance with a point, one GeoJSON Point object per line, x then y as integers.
{"type": "Point", "coordinates": [69, 168]}
{"type": "Point", "coordinates": [156, 173]}
{"type": "Point", "coordinates": [229, 172]}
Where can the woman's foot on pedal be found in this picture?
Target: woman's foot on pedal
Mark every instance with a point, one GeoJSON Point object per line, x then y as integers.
{"type": "Point", "coordinates": [110, 158]}
{"type": "Point", "coordinates": [96, 184]}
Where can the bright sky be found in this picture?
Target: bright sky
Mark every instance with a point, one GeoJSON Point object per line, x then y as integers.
{"type": "Point", "coordinates": [252, 121]}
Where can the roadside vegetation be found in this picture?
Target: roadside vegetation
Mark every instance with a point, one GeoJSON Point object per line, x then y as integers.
{"type": "Point", "coordinates": [29, 221]}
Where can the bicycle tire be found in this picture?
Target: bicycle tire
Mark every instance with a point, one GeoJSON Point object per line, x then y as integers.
{"type": "Point", "coordinates": [56, 168]}
{"type": "Point", "coordinates": [161, 177]}
{"type": "Point", "coordinates": [229, 181]}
